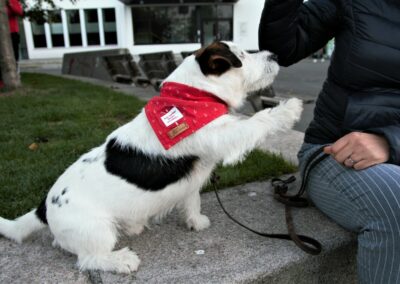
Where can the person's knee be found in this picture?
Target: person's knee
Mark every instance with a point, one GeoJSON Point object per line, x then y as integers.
{"type": "Point", "coordinates": [382, 200]}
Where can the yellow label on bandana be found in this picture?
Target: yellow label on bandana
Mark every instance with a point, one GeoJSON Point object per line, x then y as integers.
{"type": "Point", "coordinates": [178, 130]}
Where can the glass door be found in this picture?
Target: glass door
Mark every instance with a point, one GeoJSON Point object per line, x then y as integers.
{"type": "Point", "coordinates": [215, 30]}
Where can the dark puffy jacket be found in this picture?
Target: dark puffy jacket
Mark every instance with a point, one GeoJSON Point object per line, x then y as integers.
{"type": "Point", "coordinates": [362, 90]}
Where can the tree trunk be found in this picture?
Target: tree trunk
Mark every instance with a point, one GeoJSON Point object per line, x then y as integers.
{"type": "Point", "coordinates": [8, 65]}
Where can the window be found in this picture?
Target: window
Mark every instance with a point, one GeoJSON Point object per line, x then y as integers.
{"type": "Point", "coordinates": [56, 28]}
{"type": "Point", "coordinates": [163, 25]}
{"type": "Point", "coordinates": [182, 24]}
{"type": "Point", "coordinates": [216, 23]}
{"type": "Point", "coordinates": [110, 27]}
{"type": "Point", "coordinates": [39, 36]}
{"type": "Point", "coordinates": [74, 27]}
{"type": "Point", "coordinates": [92, 27]}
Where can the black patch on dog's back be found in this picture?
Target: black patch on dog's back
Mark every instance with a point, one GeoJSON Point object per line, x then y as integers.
{"type": "Point", "coordinates": [41, 211]}
{"type": "Point", "coordinates": [150, 172]}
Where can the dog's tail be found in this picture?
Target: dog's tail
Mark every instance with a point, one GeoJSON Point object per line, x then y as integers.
{"type": "Point", "coordinates": [25, 225]}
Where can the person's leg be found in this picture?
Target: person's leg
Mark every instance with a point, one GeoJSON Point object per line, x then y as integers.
{"type": "Point", "coordinates": [15, 43]}
{"type": "Point", "coordinates": [15, 38]}
{"type": "Point", "coordinates": [368, 203]}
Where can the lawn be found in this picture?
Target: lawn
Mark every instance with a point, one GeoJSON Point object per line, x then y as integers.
{"type": "Point", "coordinates": [48, 123]}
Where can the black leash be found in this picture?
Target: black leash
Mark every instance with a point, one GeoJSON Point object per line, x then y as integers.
{"type": "Point", "coordinates": [280, 186]}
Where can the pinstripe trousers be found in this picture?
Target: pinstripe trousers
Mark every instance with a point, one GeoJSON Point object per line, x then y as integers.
{"type": "Point", "coordinates": [366, 202]}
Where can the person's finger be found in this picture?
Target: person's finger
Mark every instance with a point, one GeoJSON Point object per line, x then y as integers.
{"type": "Point", "coordinates": [357, 155]}
{"type": "Point", "coordinates": [363, 164]}
{"type": "Point", "coordinates": [343, 154]}
{"type": "Point", "coordinates": [349, 162]}
{"type": "Point", "coordinates": [328, 150]}
{"type": "Point", "coordinates": [339, 145]}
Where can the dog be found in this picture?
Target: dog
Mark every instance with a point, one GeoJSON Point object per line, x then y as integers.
{"type": "Point", "coordinates": [161, 159]}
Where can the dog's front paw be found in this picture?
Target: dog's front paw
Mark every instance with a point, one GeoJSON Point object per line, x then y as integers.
{"type": "Point", "coordinates": [198, 223]}
{"type": "Point", "coordinates": [286, 114]}
{"type": "Point", "coordinates": [295, 107]}
{"type": "Point", "coordinates": [283, 116]}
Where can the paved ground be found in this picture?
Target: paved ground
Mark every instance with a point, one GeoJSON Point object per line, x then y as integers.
{"type": "Point", "coordinates": [303, 80]}
{"type": "Point", "coordinates": [224, 253]}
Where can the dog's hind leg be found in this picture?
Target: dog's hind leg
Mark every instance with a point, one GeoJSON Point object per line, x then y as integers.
{"type": "Point", "coordinates": [121, 261]}
{"type": "Point", "coordinates": [94, 242]}
{"type": "Point", "coordinates": [191, 207]}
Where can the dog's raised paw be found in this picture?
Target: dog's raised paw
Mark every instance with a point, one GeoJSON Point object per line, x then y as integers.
{"type": "Point", "coordinates": [295, 106]}
{"type": "Point", "coordinates": [198, 223]}
{"type": "Point", "coordinates": [283, 116]}
{"type": "Point", "coordinates": [287, 113]}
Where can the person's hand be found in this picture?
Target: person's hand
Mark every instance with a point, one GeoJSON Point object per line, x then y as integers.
{"type": "Point", "coordinates": [359, 150]}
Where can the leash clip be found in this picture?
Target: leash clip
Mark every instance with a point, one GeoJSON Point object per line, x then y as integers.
{"type": "Point", "coordinates": [281, 185]}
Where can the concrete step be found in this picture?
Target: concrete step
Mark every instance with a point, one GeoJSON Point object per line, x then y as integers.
{"type": "Point", "coordinates": [223, 253]}
{"type": "Point", "coordinates": [40, 64]}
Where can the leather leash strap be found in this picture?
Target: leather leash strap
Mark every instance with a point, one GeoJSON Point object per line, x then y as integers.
{"type": "Point", "coordinates": [307, 244]}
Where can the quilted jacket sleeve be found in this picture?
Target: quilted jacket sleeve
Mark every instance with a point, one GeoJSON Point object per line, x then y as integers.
{"type": "Point", "coordinates": [392, 134]}
{"type": "Point", "coordinates": [294, 30]}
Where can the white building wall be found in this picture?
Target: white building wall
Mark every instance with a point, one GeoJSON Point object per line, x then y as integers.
{"type": "Point", "coordinates": [246, 18]}
{"type": "Point", "coordinates": [58, 52]}
{"type": "Point", "coordinates": [247, 15]}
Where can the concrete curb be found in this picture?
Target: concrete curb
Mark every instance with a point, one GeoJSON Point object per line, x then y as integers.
{"type": "Point", "coordinates": [169, 252]}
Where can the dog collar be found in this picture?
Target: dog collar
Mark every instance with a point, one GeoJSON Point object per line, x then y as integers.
{"type": "Point", "coordinates": [180, 111]}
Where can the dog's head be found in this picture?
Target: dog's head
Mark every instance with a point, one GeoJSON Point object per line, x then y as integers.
{"type": "Point", "coordinates": [227, 71]}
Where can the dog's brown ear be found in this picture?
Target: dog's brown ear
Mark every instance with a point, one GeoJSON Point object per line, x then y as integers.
{"type": "Point", "coordinates": [216, 59]}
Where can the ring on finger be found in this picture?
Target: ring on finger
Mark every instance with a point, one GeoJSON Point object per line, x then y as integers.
{"type": "Point", "coordinates": [351, 161]}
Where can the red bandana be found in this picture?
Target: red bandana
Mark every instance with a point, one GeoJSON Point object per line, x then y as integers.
{"type": "Point", "coordinates": [181, 110]}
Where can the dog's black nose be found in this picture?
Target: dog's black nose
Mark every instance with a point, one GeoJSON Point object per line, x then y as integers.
{"type": "Point", "coordinates": [273, 57]}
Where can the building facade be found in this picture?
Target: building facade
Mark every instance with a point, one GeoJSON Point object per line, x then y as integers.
{"type": "Point", "coordinates": [142, 26]}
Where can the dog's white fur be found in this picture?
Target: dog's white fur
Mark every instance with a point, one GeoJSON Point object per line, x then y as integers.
{"type": "Point", "coordinates": [101, 204]}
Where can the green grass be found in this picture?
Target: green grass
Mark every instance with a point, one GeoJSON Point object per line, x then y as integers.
{"type": "Point", "coordinates": [67, 118]}
{"type": "Point", "coordinates": [257, 166]}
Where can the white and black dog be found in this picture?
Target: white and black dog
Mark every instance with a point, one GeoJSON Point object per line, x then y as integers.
{"type": "Point", "coordinates": [160, 160]}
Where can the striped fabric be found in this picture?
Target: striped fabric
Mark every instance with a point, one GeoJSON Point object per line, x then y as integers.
{"type": "Point", "coordinates": [366, 202]}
